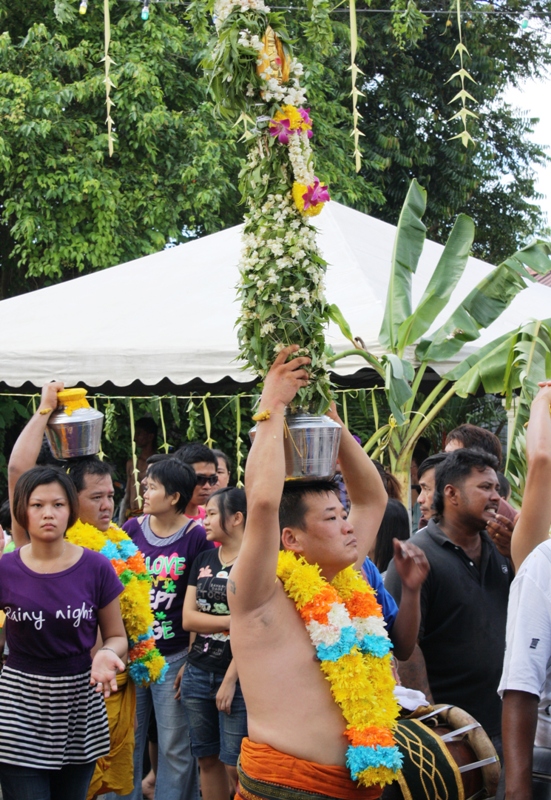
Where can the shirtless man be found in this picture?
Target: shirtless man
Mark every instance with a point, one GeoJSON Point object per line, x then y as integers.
{"type": "Point", "coordinates": [291, 713]}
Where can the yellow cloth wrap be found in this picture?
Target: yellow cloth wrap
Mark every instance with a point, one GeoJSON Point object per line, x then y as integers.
{"type": "Point", "coordinates": [115, 772]}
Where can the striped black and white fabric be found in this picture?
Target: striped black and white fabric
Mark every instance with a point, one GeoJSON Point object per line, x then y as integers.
{"type": "Point", "coordinates": [46, 722]}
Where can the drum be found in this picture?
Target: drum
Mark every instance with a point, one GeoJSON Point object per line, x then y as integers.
{"type": "Point", "coordinates": [447, 756]}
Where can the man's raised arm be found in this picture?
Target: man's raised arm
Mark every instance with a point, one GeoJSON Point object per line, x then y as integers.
{"type": "Point", "coordinates": [27, 448]}
{"type": "Point", "coordinates": [368, 497]}
{"type": "Point", "coordinates": [253, 577]}
{"type": "Point", "coordinates": [532, 527]}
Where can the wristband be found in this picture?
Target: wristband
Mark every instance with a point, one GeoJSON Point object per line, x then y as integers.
{"type": "Point", "coordinates": [262, 416]}
{"type": "Point", "coordinates": [110, 648]}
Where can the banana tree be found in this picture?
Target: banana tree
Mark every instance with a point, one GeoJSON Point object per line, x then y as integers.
{"type": "Point", "coordinates": [409, 351]}
{"type": "Point", "coordinates": [529, 363]}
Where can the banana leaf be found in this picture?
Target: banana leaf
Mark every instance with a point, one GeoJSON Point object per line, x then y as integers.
{"type": "Point", "coordinates": [398, 374]}
{"type": "Point", "coordinates": [445, 277]}
{"type": "Point", "coordinates": [530, 363]}
{"type": "Point", "coordinates": [493, 365]}
{"type": "Point", "coordinates": [485, 303]}
{"type": "Point", "coordinates": [408, 245]}
{"type": "Point", "coordinates": [335, 315]}
{"type": "Point", "coordinates": [485, 367]}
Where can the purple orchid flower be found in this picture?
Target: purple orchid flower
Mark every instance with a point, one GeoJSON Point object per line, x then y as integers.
{"type": "Point", "coordinates": [307, 119]}
{"type": "Point", "coordinates": [315, 194]}
{"type": "Point", "coordinates": [281, 129]}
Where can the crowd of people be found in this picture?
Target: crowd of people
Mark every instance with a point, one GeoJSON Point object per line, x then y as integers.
{"type": "Point", "coordinates": [121, 679]}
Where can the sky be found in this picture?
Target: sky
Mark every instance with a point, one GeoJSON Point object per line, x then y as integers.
{"type": "Point", "coordinates": [534, 97]}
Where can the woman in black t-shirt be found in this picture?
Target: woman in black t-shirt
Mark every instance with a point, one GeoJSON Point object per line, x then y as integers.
{"type": "Point", "coordinates": [210, 690]}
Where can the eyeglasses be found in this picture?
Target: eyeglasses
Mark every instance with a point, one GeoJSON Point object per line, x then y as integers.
{"type": "Point", "coordinates": [202, 480]}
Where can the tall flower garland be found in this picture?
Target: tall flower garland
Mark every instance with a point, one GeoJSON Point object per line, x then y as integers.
{"type": "Point", "coordinates": [253, 74]}
{"type": "Point", "coordinates": [346, 626]}
{"type": "Point", "coordinates": [145, 662]}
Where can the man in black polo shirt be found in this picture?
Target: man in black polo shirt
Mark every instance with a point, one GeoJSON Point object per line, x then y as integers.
{"type": "Point", "coordinates": [464, 598]}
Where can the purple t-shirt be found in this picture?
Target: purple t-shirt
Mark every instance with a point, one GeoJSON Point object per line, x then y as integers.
{"type": "Point", "coordinates": [168, 562]}
{"type": "Point", "coordinates": [52, 620]}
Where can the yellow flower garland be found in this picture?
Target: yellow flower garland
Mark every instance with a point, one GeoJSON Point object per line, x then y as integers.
{"type": "Point", "coordinates": [346, 627]}
{"type": "Point", "coordinates": [145, 662]}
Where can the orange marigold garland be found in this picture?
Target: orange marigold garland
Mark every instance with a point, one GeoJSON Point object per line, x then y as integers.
{"type": "Point", "coordinates": [145, 663]}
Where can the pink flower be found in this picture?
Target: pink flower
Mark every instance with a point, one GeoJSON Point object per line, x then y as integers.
{"type": "Point", "coordinates": [315, 194]}
{"type": "Point", "coordinates": [307, 120]}
{"type": "Point", "coordinates": [281, 129]}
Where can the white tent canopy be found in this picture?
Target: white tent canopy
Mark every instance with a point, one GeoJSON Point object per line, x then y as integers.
{"type": "Point", "coordinates": [172, 315]}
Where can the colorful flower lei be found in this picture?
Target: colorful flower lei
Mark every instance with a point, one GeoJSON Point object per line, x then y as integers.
{"type": "Point", "coordinates": [346, 626]}
{"type": "Point", "coordinates": [145, 662]}
{"type": "Point", "coordinates": [293, 127]}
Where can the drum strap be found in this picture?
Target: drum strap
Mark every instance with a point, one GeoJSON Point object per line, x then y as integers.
{"type": "Point", "coordinates": [428, 771]}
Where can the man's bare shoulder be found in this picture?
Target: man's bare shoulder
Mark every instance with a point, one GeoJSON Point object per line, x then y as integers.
{"type": "Point", "coordinates": [275, 613]}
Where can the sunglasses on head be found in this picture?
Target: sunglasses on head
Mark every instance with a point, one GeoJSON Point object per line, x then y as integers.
{"type": "Point", "coordinates": [202, 480]}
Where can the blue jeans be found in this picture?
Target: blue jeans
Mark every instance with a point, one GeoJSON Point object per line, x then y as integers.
{"type": "Point", "coordinates": [177, 775]}
{"type": "Point", "coordinates": [213, 732]}
{"type": "Point", "coordinates": [71, 782]}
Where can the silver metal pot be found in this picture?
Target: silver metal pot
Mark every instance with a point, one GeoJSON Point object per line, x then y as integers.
{"type": "Point", "coordinates": [311, 446]}
{"type": "Point", "coordinates": [74, 428]}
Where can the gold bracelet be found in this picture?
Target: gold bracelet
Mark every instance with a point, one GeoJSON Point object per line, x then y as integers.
{"type": "Point", "coordinates": [45, 411]}
{"type": "Point", "coordinates": [261, 416]}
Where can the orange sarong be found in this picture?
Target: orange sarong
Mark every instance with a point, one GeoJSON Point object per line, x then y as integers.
{"type": "Point", "coordinates": [267, 774]}
{"type": "Point", "coordinates": [115, 771]}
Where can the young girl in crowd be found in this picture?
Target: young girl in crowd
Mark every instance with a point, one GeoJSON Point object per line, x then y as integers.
{"type": "Point", "coordinates": [170, 543]}
{"type": "Point", "coordinates": [210, 690]}
{"type": "Point", "coordinates": [53, 723]}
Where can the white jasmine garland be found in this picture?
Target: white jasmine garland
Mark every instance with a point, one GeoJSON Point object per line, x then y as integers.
{"type": "Point", "coordinates": [223, 8]}
{"type": "Point", "coordinates": [281, 268]}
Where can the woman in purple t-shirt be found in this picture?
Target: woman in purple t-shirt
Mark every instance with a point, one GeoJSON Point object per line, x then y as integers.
{"type": "Point", "coordinates": [53, 723]}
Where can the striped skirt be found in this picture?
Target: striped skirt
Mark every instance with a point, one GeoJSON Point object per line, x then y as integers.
{"type": "Point", "coordinates": [46, 722]}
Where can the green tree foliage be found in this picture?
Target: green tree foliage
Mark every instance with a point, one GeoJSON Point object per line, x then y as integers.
{"type": "Point", "coordinates": [406, 111]}
{"type": "Point", "coordinates": [66, 206]}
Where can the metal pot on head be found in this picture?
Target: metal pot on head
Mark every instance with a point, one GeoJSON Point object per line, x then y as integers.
{"type": "Point", "coordinates": [74, 428]}
{"type": "Point", "coordinates": [311, 446]}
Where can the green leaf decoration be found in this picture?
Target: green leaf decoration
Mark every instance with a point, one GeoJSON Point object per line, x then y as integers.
{"type": "Point", "coordinates": [464, 113]}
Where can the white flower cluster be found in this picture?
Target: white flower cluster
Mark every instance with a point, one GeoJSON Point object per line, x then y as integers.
{"type": "Point", "coordinates": [250, 41]}
{"type": "Point", "coordinates": [223, 8]}
{"type": "Point", "coordinates": [300, 156]}
{"type": "Point", "coordinates": [279, 277]}
{"type": "Point", "coordinates": [288, 94]}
